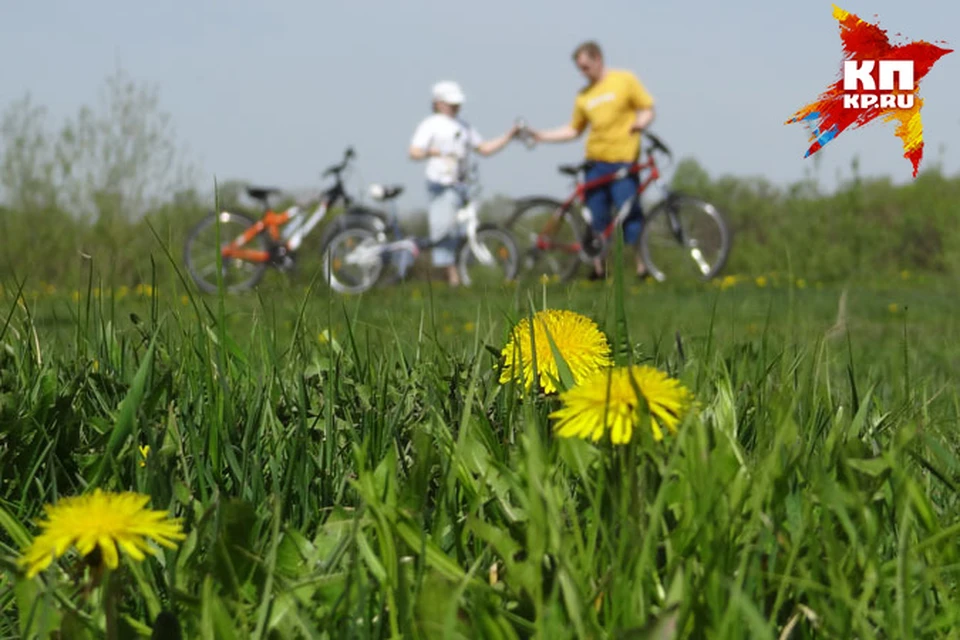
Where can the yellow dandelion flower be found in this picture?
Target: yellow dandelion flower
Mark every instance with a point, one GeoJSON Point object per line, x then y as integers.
{"type": "Point", "coordinates": [578, 339]}
{"type": "Point", "coordinates": [893, 307]}
{"type": "Point", "coordinates": [728, 281]}
{"type": "Point", "coordinates": [468, 327]}
{"type": "Point", "coordinates": [761, 281]}
{"type": "Point", "coordinates": [105, 521]}
{"type": "Point", "coordinates": [607, 401]}
{"type": "Point", "coordinates": [184, 299]}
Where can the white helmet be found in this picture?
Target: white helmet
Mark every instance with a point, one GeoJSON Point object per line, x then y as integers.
{"type": "Point", "coordinates": [449, 92]}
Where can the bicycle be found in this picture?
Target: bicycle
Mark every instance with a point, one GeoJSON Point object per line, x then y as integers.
{"type": "Point", "coordinates": [564, 247]}
{"type": "Point", "coordinates": [369, 249]}
{"type": "Point", "coordinates": [248, 247]}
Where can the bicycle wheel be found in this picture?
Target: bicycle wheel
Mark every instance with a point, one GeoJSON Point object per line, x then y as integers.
{"type": "Point", "coordinates": [498, 260]}
{"type": "Point", "coordinates": [685, 238]}
{"type": "Point", "coordinates": [352, 262]}
{"type": "Point", "coordinates": [397, 264]}
{"type": "Point", "coordinates": [200, 253]}
{"type": "Point", "coordinates": [548, 236]}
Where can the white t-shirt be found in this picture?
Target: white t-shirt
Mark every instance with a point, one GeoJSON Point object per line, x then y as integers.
{"type": "Point", "coordinates": [449, 136]}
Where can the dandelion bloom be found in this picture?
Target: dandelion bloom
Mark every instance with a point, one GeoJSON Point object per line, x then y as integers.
{"type": "Point", "coordinates": [578, 339]}
{"type": "Point", "coordinates": [107, 521]}
{"type": "Point", "coordinates": [606, 400]}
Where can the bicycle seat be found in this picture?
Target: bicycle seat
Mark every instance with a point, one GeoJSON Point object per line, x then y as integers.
{"type": "Point", "coordinates": [385, 192]}
{"type": "Point", "coordinates": [574, 169]}
{"type": "Point", "coordinates": [261, 193]}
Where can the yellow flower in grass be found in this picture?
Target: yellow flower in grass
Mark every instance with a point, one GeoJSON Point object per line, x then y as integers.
{"type": "Point", "coordinates": [607, 401]}
{"type": "Point", "coordinates": [578, 339]}
{"type": "Point", "coordinates": [105, 521]}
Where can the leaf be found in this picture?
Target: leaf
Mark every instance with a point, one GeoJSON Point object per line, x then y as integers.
{"type": "Point", "coordinates": [72, 628]}
{"type": "Point", "coordinates": [870, 466]}
{"type": "Point", "coordinates": [128, 411]}
{"type": "Point", "coordinates": [215, 620]}
{"type": "Point", "coordinates": [663, 628]}
{"type": "Point", "coordinates": [39, 611]}
{"type": "Point", "coordinates": [563, 369]}
{"type": "Point", "coordinates": [14, 529]}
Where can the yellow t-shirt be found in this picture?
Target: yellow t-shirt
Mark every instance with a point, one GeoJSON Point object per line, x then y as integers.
{"type": "Point", "coordinates": [610, 108]}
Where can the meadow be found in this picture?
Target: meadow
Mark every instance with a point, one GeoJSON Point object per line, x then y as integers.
{"type": "Point", "coordinates": [352, 467]}
{"type": "Point", "coordinates": [356, 467]}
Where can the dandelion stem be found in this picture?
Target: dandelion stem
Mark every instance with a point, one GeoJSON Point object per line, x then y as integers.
{"type": "Point", "coordinates": [110, 604]}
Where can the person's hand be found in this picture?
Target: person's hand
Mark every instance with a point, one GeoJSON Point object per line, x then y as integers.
{"type": "Point", "coordinates": [525, 133]}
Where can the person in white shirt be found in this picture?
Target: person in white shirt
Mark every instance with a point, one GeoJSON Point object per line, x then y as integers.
{"type": "Point", "coordinates": [444, 140]}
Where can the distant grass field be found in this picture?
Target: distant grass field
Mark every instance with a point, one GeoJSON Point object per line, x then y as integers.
{"type": "Point", "coordinates": [352, 468]}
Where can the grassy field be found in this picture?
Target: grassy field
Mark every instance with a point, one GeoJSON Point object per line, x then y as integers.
{"type": "Point", "coordinates": [353, 468]}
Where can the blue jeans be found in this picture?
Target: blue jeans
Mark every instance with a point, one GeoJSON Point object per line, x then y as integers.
{"type": "Point", "coordinates": [445, 201]}
{"type": "Point", "coordinates": [600, 199]}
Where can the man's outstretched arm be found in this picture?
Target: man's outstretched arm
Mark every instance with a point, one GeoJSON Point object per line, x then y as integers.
{"type": "Point", "coordinates": [559, 134]}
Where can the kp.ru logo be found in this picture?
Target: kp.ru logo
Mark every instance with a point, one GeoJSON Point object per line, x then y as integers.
{"type": "Point", "coordinates": [880, 81]}
{"type": "Point", "coordinates": [862, 90]}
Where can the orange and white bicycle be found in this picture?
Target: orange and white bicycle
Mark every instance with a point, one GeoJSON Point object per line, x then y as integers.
{"type": "Point", "coordinates": [248, 247]}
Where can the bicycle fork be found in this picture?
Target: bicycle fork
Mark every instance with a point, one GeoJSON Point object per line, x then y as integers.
{"type": "Point", "coordinates": [676, 228]}
{"type": "Point", "coordinates": [467, 215]}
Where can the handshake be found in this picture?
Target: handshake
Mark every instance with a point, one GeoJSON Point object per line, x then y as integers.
{"type": "Point", "coordinates": [521, 130]}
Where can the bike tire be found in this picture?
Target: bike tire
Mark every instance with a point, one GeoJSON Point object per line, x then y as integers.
{"type": "Point", "coordinates": [672, 203]}
{"type": "Point", "coordinates": [358, 227]}
{"type": "Point", "coordinates": [565, 268]}
{"type": "Point", "coordinates": [258, 268]}
{"type": "Point", "coordinates": [508, 245]}
{"type": "Point", "coordinates": [376, 219]}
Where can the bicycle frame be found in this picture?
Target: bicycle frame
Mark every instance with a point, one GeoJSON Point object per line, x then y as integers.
{"type": "Point", "coordinates": [578, 196]}
{"type": "Point", "coordinates": [467, 215]}
{"type": "Point", "coordinates": [290, 238]}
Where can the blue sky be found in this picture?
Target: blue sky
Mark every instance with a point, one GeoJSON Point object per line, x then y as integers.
{"type": "Point", "coordinates": [272, 91]}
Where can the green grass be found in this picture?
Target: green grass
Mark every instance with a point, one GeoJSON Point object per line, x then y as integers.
{"type": "Point", "coordinates": [364, 486]}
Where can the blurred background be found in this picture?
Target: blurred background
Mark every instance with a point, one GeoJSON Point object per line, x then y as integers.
{"type": "Point", "coordinates": [116, 115]}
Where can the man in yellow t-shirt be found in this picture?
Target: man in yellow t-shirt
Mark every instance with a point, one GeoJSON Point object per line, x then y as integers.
{"type": "Point", "coordinates": [616, 106]}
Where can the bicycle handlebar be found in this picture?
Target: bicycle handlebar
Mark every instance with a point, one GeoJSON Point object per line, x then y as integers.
{"type": "Point", "coordinates": [339, 168]}
{"type": "Point", "coordinates": [657, 144]}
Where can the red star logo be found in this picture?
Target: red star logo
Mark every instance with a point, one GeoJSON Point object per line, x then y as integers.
{"type": "Point", "coordinates": [863, 41]}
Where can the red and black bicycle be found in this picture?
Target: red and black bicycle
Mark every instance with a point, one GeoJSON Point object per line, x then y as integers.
{"type": "Point", "coordinates": [682, 236]}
